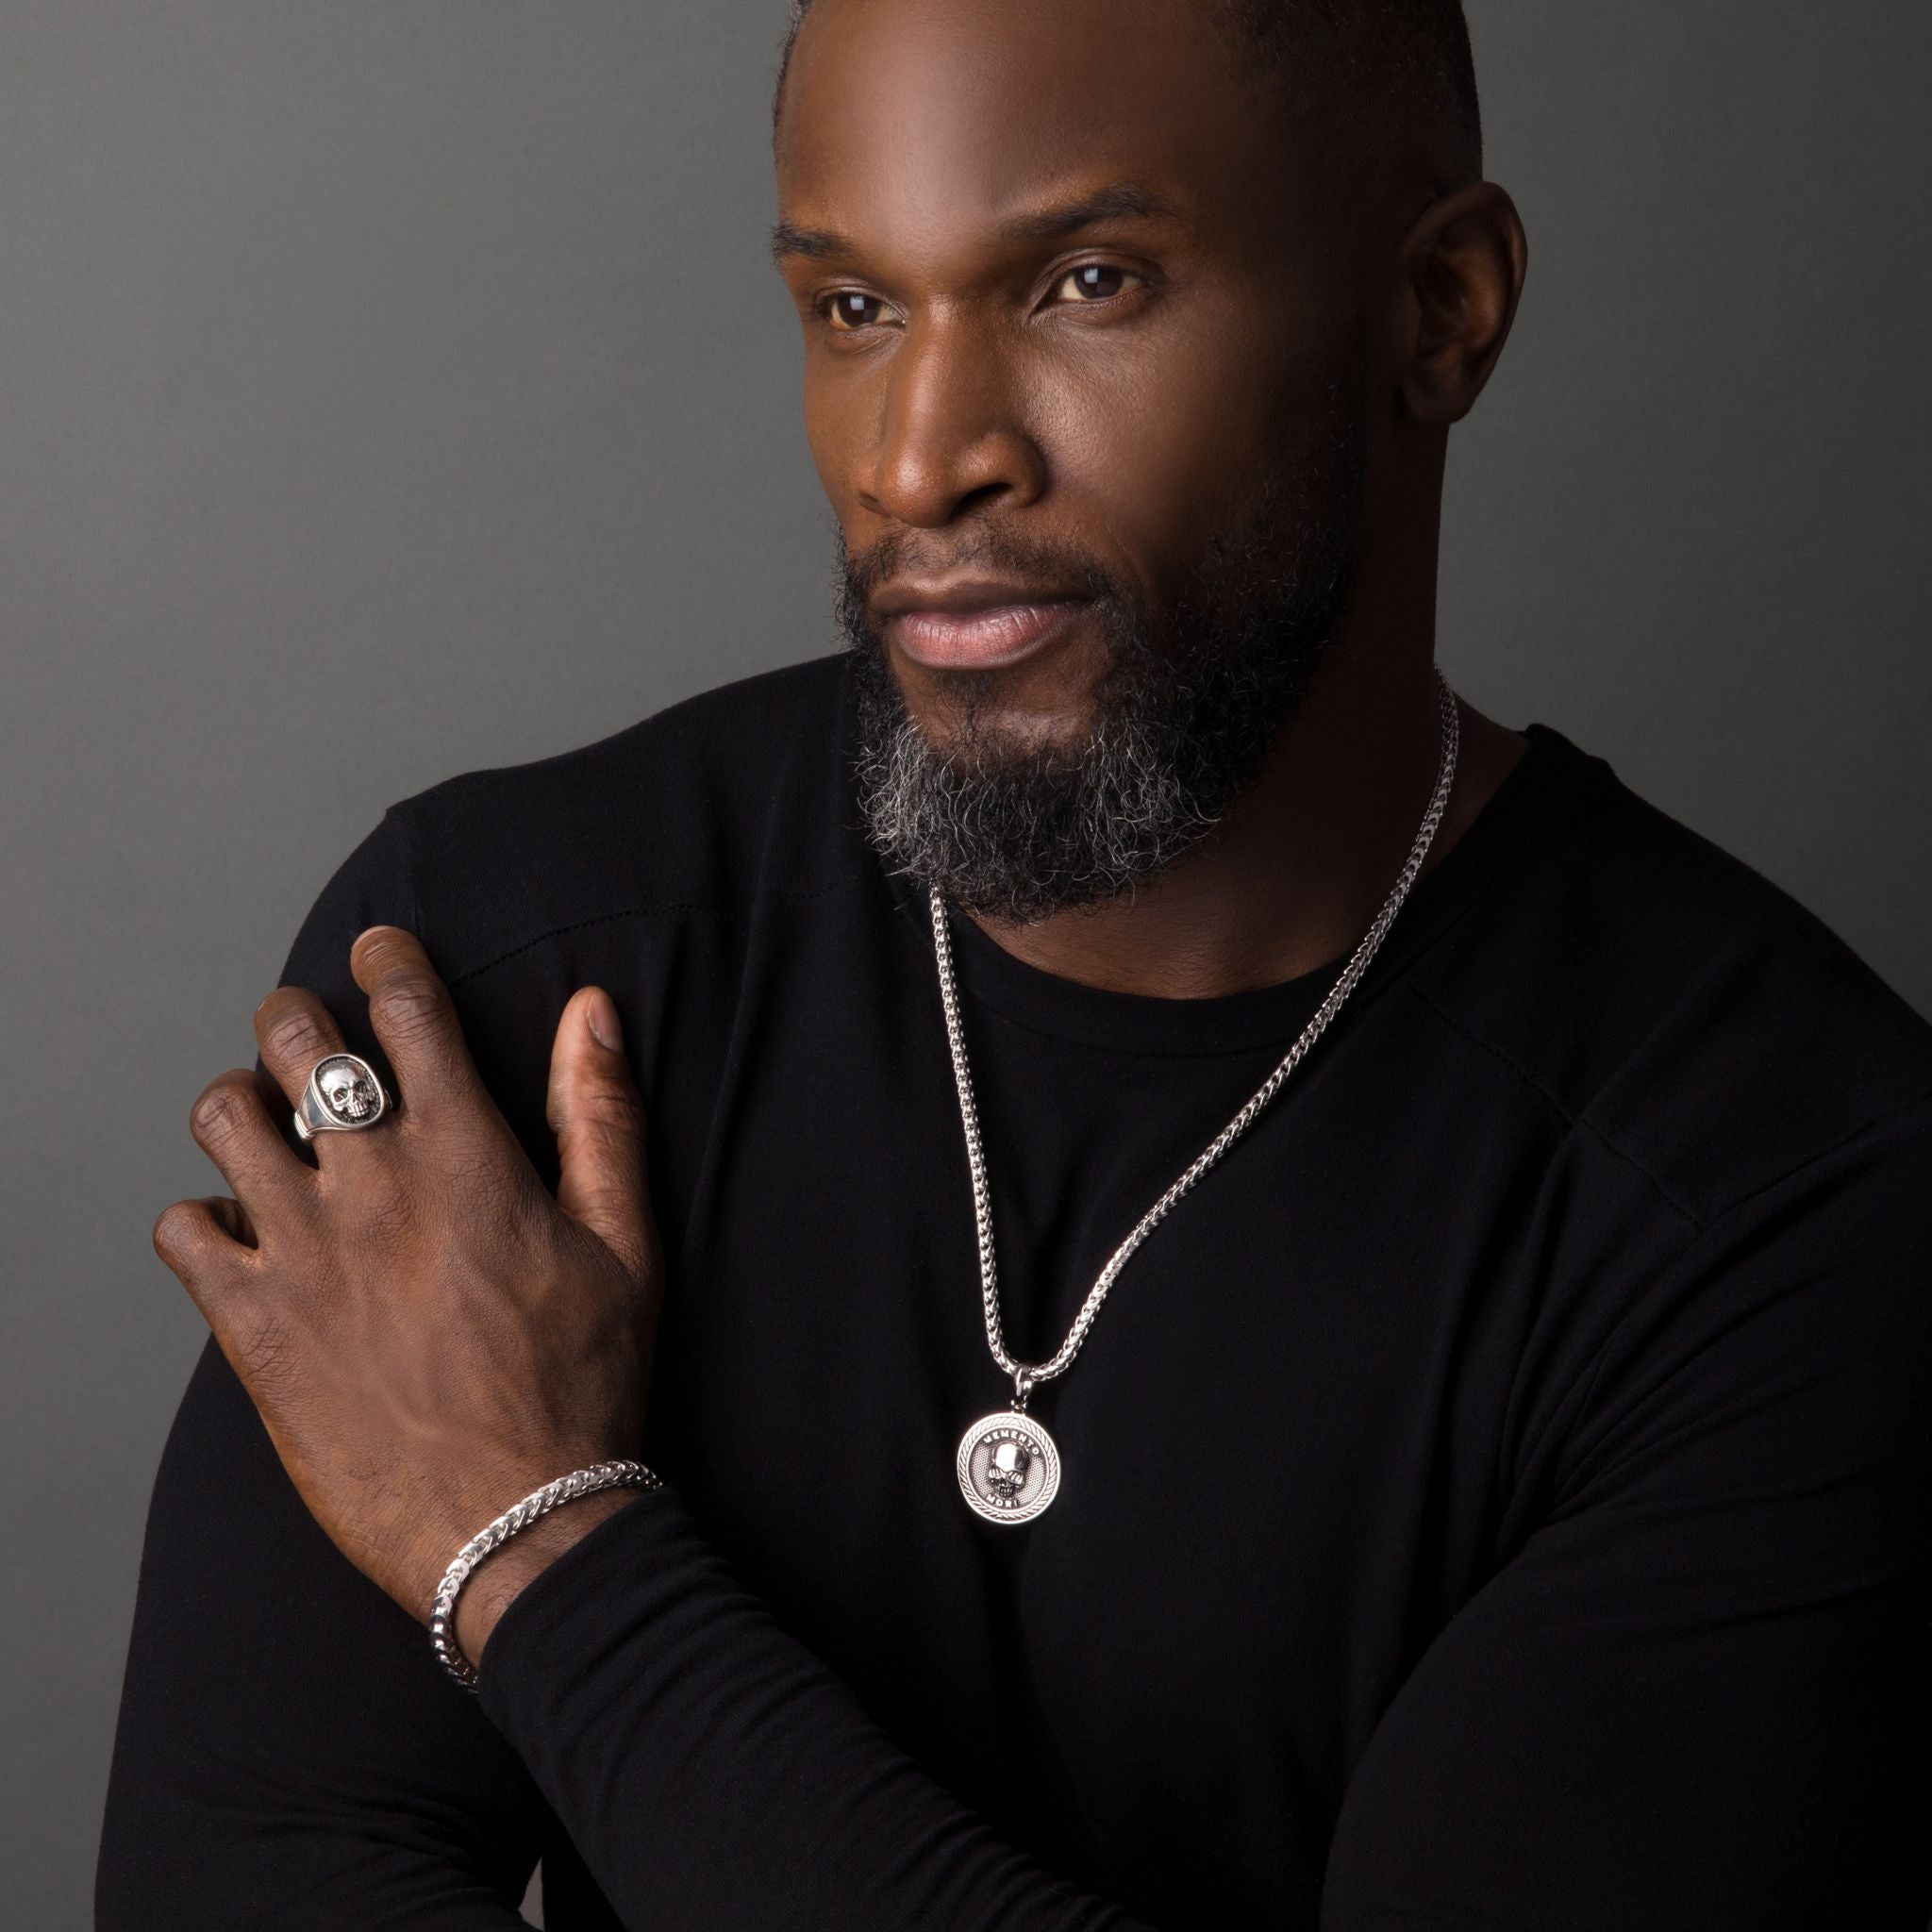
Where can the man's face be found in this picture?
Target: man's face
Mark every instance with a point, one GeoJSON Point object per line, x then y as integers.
{"type": "Point", "coordinates": [1077, 354]}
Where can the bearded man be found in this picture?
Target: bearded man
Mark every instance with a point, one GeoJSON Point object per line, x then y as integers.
{"type": "Point", "coordinates": [1138, 1272]}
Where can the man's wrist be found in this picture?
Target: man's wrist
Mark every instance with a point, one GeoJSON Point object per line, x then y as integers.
{"type": "Point", "coordinates": [513, 1566]}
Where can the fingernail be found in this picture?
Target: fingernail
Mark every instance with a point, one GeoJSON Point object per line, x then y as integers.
{"type": "Point", "coordinates": [605, 1028]}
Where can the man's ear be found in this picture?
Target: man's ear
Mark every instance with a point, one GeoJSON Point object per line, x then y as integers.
{"type": "Point", "coordinates": [1458, 279]}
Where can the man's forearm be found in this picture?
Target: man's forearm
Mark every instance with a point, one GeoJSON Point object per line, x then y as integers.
{"type": "Point", "coordinates": [712, 1771]}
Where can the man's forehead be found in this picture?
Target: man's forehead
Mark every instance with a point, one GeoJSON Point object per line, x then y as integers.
{"type": "Point", "coordinates": [1068, 47]}
{"type": "Point", "coordinates": [945, 117]}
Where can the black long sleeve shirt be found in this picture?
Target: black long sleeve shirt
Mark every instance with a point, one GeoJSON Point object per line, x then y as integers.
{"type": "Point", "coordinates": [1499, 1496]}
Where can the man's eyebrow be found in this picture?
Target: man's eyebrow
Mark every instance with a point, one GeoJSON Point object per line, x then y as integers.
{"type": "Point", "coordinates": [1118, 200]}
{"type": "Point", "coordinates": [816, 245]}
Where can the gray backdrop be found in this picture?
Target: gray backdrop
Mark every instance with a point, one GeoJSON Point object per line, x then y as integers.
{"type": "Point", "coordinates": [390, 389]}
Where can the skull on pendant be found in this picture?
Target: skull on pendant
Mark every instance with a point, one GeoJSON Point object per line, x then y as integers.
{"type": "Point", "coordinates": [1005, 1470]}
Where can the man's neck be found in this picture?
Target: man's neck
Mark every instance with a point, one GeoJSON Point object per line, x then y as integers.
{"type": "Point", "coordinates": [1296, 871]}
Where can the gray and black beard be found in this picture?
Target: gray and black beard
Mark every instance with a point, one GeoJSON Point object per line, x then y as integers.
{"type": "Point", "coordinates": [1191, 700]}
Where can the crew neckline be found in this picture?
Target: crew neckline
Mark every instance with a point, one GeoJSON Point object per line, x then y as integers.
{"type": "Point", "coordinates": [1156, 1025]}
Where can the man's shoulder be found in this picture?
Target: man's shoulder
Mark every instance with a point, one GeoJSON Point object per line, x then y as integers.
{"type": "Point", "coordinates": [675, 811]}
{"type": "Point", "coordinates": [1673, 1001]}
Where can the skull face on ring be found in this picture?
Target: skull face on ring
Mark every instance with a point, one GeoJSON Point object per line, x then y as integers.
{"type": "Point", "coordinates": [347, 1090]}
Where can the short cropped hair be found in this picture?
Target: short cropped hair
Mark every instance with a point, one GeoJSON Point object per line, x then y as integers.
{"type": "Point", "coordinates": [1387, 88]}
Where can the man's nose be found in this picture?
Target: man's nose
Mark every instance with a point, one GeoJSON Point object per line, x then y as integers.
{"type": "Point", "coordinates": [951, 434]}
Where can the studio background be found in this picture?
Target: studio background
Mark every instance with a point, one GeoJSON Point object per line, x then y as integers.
{"type": "Point", "coordinates": [395, 389]}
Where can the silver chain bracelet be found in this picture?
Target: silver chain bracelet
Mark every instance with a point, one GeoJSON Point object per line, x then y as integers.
{"type": "Point", "coordinates": [581, 1482]}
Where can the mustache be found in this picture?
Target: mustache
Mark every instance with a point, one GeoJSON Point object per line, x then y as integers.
{"type": "Point", "coordinates": [987, 547]}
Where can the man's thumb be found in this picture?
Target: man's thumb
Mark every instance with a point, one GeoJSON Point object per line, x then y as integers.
{"type": "Point", "coordinates": [599, 1115]}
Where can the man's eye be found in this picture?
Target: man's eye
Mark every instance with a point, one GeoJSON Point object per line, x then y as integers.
{"type": "Point", "coordinates": [1094, 281]}
{"type": "Point", "coordinates": [850, 308]}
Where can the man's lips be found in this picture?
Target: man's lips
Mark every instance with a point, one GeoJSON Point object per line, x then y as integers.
{"type": "Point", "coordinates": [974, 624]}
{"type": "Point", "coordinates": [982, 637]}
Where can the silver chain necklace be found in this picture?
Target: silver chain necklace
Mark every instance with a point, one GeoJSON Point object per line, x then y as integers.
{"type": "Point", "coordinates": [1008, 1466]}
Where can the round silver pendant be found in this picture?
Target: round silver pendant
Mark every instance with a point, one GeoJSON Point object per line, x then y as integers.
{"type": "Point", "coordinates": [1008, 1467]}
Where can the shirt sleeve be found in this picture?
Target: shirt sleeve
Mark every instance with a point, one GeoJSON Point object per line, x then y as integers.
{"type": "Point", "coordinates": [289, 1751]}
{"type": "Point", "coordinates": [712, 1771]}
{"type": "Point", "coordinates": [1700, 1693]}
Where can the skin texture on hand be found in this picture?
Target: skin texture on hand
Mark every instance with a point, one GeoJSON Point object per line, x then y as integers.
{"type": "Point", "coordinates": [428, 1334]}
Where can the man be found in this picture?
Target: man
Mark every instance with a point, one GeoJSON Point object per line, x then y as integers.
{"type": "Point", "coordinates": [1484, 1483]}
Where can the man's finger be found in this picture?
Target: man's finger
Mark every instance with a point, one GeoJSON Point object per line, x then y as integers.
{"type": "Point", "coordinates": [231, 1124]}
{"type": "Point", "coordinates": [598, 1116]}
{"type": "Point", "coordinates": [415, 1018]}
{"type": "Point", "coordinates": [196, 1239]}
{"type": "Point", "coordinates": [295, 1030]}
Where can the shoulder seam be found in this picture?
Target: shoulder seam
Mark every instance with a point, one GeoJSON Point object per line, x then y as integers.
{"type": "Point", "coordinates": [1574, 1120]}
{"type": "Point", "coordinates": [1700, 1223]}
{"type": "Point", "coordinates": [1709, 1228]}
{"type": "Point", "coordinates": [1912, 1104]}
{"type": "Point", "coordinates": [695, 905]}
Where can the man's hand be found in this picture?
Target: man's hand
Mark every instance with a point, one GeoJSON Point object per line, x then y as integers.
{"type": "Point", "coordinates": [428, 1335]}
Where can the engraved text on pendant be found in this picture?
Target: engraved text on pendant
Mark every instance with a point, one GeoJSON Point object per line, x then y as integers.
{"type": "Point", "coordinates": [1008, 1467]}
